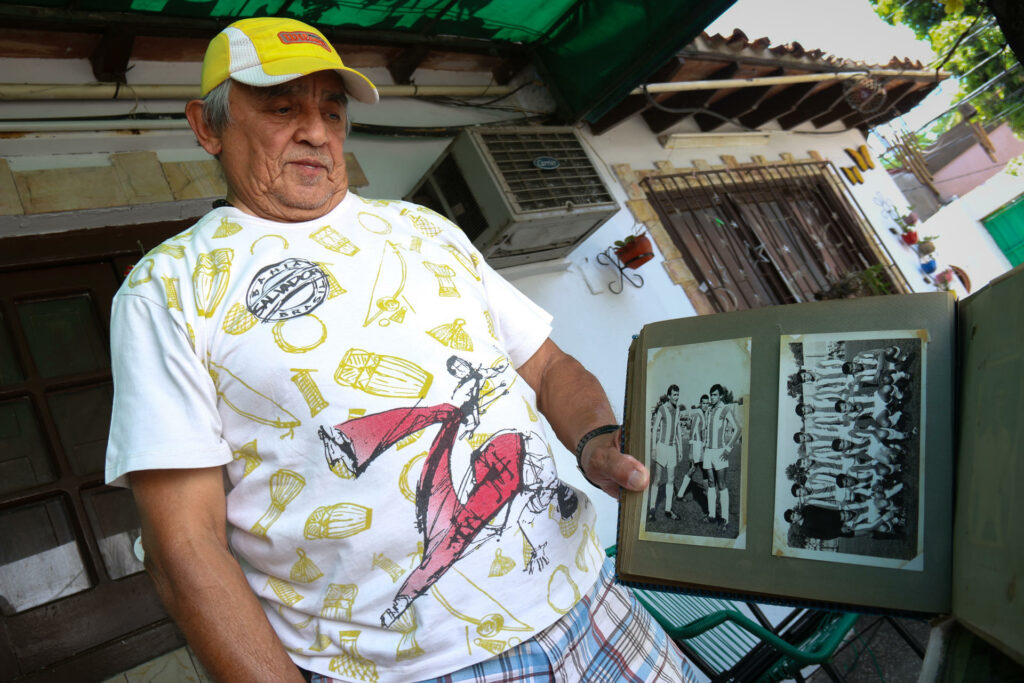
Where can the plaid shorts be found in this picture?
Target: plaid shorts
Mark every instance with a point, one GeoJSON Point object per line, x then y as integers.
{"type": "Point", "coordinates": [607, 637]}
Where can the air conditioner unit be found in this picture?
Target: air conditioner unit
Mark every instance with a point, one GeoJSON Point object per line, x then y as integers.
{"type": "Point", "coordinates": [521, 194]}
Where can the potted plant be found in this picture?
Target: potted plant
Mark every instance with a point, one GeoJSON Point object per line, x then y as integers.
{"type": "Point", "coordinates": [907, 223]}
{"type": "Point", "coordinates": [927, 245]}
{"type": "Point", "coordinates": [634, 250]}
{"type": "Point", "coordinates": [944, 279]}
{"type": "Point", "coordinates": [928, 265]}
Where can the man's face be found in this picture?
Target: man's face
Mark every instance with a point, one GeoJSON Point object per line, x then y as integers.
{"type": "Point", "coordinates": [283, 152]}
{"type": "Point", "coordinates": [703, 403]}
{"type": "Point", "coordinates": [673, 396]}
{"type": "Point", "coordinates": [715, 397]}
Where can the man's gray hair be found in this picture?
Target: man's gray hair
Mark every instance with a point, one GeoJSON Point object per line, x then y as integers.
{"type": "Point", "coordinates": [217, 108]}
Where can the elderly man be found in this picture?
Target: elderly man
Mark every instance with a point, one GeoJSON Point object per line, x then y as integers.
{"type": "Point", "coordinates": [324, 406]}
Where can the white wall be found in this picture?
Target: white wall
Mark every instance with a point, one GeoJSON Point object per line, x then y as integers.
{"type": "Point", "coordinates": [963, 240]}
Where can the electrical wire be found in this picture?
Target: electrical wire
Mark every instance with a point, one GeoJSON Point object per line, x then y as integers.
{"type": "Point", "coordinates": [691, 110]}
{"type": "Point", "coordinates": [939, 181]}
{"type": "Point", "coordinates": [501, 97]}
{"type": "Point", "coordinates": [446, 101]}
{"type": "Point", "coordinates": [435, 131]}
{"type": "Point", "coordinates": [949, 53]}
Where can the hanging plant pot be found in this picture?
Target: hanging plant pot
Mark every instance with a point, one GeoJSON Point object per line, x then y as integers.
{"type": "Point", "coordinates": [909, 237]}
{"type": "Point", "coordinates": [944, 278]}
{"type": "Point", "coordinates": [928, 265]}
{"type": "Point", "coordinates": [926, 247]}
{"type": "Point", "coordinates": [635, 252]}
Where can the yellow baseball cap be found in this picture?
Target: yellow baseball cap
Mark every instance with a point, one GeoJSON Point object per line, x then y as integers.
{"type": "Point", "coordinates": [266, 51]}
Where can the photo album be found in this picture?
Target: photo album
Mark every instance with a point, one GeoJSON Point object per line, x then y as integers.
{"type": "Point", "coordinates": [860, 454]}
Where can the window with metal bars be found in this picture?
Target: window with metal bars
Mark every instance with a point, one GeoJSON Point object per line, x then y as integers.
{"type": "Point", "coordinates": [762, 235]}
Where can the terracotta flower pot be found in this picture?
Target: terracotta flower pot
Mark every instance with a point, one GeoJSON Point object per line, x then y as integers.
{"type": "Point", "coordinates": [636, 252]}
{"type": "Point", "coordinates": [909, 237]}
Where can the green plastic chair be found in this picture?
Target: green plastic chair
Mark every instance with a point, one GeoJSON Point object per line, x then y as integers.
{"type": "Point", "coordinates": [727, 645]}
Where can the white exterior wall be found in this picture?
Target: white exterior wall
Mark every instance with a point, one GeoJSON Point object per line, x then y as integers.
{"type": "Point", "coordinates": [963, 240]}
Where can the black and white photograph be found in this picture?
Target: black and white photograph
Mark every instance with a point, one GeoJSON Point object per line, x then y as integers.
{"type": "Point", "coordinates": [695, 425]}
{"type": "Point", "coordinates": [849, 465]}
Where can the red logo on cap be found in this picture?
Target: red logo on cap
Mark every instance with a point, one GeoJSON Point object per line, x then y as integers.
{"type": "Point", "coordinates": [290, 37]}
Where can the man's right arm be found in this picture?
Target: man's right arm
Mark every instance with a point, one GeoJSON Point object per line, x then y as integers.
{"type": "Point", "coordinates": [183, 516]}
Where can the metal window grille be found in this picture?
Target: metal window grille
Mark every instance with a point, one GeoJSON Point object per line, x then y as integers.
{"type": "Point", "coordinates": [763, 235]}
{"type": "Point", "coordinates": [573, 182]}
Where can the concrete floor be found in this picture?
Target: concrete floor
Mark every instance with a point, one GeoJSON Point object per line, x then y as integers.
{"type": "Point", "coordinates": [879, 653]}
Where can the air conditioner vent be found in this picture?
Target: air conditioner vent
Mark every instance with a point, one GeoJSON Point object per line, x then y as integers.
{"type": "Point", "coordinates": [521, 194]}
{"type": "Point", "coordinates": [545, 170]}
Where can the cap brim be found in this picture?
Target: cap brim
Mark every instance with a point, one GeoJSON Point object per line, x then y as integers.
{"type": "Point", "coordinates": [357, 85]}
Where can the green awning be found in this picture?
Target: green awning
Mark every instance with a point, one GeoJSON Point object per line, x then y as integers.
{"type": "Point", "coordinates": [592, 52]}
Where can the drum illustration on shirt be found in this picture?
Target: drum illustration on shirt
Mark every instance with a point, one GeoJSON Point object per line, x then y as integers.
{"type": "Point", "coordinates": [210, 280]}
{"type": "Point", "coordinates": [285, 485]}
{"type": "Point", "coordinates": [445, 279]}
{"type": "Point", "coordinates": [332, 240]}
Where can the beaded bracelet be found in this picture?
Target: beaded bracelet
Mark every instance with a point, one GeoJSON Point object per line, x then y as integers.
{"type": "Point", "coordinates": [583, 444]}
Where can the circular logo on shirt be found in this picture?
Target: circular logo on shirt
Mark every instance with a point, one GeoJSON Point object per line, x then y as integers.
{"type": "Point", "coordinates": [287, 289]}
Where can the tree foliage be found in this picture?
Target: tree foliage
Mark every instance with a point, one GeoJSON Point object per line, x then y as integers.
{"type": "Point", "coordinates": [969, 44]}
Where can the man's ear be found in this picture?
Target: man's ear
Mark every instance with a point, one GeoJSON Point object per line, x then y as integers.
{"type": "Point", "coordinates": [208, 139]}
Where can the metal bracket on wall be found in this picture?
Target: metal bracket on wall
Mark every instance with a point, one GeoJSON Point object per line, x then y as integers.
{"type": "Point", "coordinates": [608, 258]}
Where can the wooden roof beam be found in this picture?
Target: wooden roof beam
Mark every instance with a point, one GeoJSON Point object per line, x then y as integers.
{"type": "Point", "coordinates": [812, 105]}
{"type": "Point", "coordinates": [908, 102]}
{"type": "Point", "coordinates": [659, 120]}
{"type": "Point", "coordinates": [634, 104]}
{"type": "Point", "coordinates": [505, 71]}
{"type": "Point", "coordinates": [893, 97]}
{"type": "Point", "coordinates": [732, 105]}
{"type": "Point", "coordinates": [840, 109]}
{"type": "Point", "coordinates": [110, 58]}
{"type": "Point", "coordinates": [777, 105]}
{"type": "Point", "coordinates": [406, 62]}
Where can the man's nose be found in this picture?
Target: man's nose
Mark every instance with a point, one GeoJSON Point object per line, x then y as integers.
{"type": "Point", "coordinates": [311, 128]}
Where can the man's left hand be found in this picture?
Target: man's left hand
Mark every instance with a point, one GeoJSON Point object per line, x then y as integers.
{"type": "Point", "coordinates": [574, 403]}
{"type": "Point", "coordinates": [609, 468]}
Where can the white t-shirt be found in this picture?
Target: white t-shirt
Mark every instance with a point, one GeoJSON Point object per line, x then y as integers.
{"type": "Point", "coordinates": [392, 498]}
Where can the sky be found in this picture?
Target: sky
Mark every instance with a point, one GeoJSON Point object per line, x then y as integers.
{"type": "Point", "coordinates": [844, 28]}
